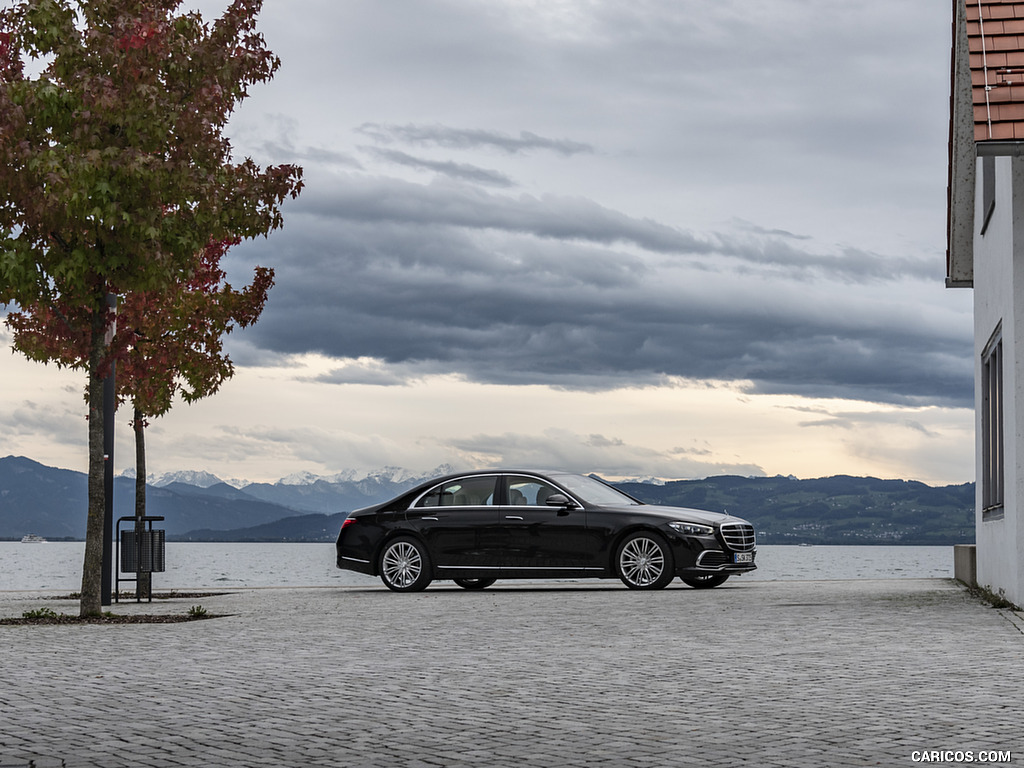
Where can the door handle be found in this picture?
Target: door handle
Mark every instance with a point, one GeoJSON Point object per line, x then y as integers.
{"type": "Point", "coordinates": [429, 518]}
{"type": "Point", "coordinates": [513, 517]}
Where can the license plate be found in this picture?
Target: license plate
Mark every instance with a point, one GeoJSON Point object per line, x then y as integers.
{"type": "Point", "coordinates": [743, 557]}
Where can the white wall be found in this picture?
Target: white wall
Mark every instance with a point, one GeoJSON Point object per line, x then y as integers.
{"type": "Point", "coordinates": [999, 298]}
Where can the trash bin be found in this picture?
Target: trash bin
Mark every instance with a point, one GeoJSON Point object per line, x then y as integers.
{"type": "Point", "coordinates": [140, 551]}
{"type": "Point", "coordinates": [143, 551]}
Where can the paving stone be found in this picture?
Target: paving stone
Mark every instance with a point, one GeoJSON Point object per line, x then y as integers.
{"type": "Point", "coordinates": [759, 673]}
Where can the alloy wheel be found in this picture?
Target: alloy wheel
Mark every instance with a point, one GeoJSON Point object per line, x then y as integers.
{"type": "Point", "coordinates": [644, 563]}
{"type": "Point", "coordinates": [402, 565]}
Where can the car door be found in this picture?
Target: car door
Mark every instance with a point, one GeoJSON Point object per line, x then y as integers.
{"type": "Point", "coordinates": [458, 521]}
{"type": "Point", "coordinates": [540, 537]}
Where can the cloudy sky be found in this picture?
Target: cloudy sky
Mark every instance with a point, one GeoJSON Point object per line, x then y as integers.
{"type": "Point", "coordinates": [660, 238]}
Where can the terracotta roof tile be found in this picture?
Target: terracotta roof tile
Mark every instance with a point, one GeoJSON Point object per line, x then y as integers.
{"type": "Point", "coordinates": [1000, 132]}
{"type": "Point", "coordinates": [1002, 11]}
{"type": "Point", "coordinates": [1003, 42]}
{"type": "Point", "coordinates": [996, 43]}
{"type": "Point", "coordinates": [997, 96]}
{"type": "Point", "coordinates": [1013, 113]}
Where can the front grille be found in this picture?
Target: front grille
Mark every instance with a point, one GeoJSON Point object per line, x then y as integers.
{"type": "Point", "coordinates": [739, 537]}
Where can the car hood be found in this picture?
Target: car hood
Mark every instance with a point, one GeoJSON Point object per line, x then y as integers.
{"type": "Point", "coordinates": [685, 514]}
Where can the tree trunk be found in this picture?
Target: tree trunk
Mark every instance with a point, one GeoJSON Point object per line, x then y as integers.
{"type": "Point", "coordinates": [92, 569]}
{"type": "Point", "coordinates": [143, 580]}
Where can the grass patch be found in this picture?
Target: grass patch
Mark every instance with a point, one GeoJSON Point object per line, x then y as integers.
{"type": "Point", "coordinates": [49, 617]}
{"type": "Point", "coordinates": [995, 600]}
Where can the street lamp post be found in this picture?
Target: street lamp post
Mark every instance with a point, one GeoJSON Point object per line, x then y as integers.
{"type": "Point", "coordinates": [109, 407]}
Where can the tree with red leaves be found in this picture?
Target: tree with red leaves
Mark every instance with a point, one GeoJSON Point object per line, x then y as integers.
{"type": "Point", "coordinates": [166, 343]}
{"type": "Point", "coordinates": [115, 177]}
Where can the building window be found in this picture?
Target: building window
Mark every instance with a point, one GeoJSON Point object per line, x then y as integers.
{"type": "Point", "coordinates": [992, 480]}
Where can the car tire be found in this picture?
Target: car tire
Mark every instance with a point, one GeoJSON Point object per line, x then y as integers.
{"type": "Point", "coordinates": [706, 580]}
{"type": "Point", "coordinates": [404, 565]}
{"type": "Point", "coordinates": [644, 561]}
{"type": "Point", "coordinates": [474, 583]}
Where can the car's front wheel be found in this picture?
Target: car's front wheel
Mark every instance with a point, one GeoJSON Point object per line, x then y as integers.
{"type": "Point", "coordinates": [405, 565]}
{"type": "Point", "coordinates": [474, 583]}
{"type": "Point", "coordinates": [644, 561]}
{"type": "Point", "coordinates": [706, 580]}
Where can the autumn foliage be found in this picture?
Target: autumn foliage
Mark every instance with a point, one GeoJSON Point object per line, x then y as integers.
{"type": "Point", "coordinates": [116, 179]}
{"type": "Point", "coordinates": [167, 342]}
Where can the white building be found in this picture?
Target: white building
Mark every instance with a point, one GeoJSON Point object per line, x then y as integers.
{"type": "Point", "coordinates": [986, 253]}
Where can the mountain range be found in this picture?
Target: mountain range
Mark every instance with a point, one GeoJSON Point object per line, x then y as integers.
{"type": "Point", "coordinates": [197, 506]}
{"type": "Point", "coordinates": [52, 503]}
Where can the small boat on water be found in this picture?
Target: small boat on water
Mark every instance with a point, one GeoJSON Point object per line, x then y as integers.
{"type": "Point", "coordinates": [31, 538]}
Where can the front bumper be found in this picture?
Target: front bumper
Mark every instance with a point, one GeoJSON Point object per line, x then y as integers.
{"type": "Point", "coordinates": [719, 561]}
{"type": "Point", "coordinates": [731, 549]}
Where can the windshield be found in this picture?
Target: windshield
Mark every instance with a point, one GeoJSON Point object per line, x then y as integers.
{"type": "Point", "coordinates": [595, 492]}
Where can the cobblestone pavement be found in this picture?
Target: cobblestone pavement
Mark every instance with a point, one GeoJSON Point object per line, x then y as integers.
{"type": "Point", "coordinates": [828, 673]}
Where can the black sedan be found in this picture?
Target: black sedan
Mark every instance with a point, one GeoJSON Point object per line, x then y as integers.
{"type": "Point", "coordinates": [478, 527]}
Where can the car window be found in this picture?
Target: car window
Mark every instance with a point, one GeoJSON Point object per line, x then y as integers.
{"type": "Point", "coordinates": [464, 492]}
{"type": "Point", "coordinates": [595, 492]}
{"type": "Point", "coordinates": [528, 491]}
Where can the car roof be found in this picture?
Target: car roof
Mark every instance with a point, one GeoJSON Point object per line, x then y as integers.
{"type": "Point", "coordinates": [500, 471]}
{"type": "Point", "coordinates": [511, 471]}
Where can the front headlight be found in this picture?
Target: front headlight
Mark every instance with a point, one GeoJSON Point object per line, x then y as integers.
{"type": "Point", "coordinates": [691, 529]}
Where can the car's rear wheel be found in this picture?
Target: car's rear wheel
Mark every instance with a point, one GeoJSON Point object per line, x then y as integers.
{"type": "Point", "coordinates": [474, 583]}
{"type": "Point", "coordinates": [405, 565]}
{"type": "Point", "coordinates": [706, 580]}
{"type": "Point", "coordinates": [644, 561]}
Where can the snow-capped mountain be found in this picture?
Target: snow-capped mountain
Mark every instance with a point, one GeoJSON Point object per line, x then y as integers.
{"type": "Point", "coordinates": [306, 491]}
{"type": "Point", "coordinates": [196, 477]}
{"type": "Point", "coordinates": [380, 476]}
{"type": "Point", "coordinates": [308, 478]}
{"type": "Point", "coordinates": [645, 480]}
{"type": "Point", "coordinates": [347, 490]}
{"type": "Point", "coordinates": [376, 477]}
{"type": "Point", "coordinates": [199, 502]}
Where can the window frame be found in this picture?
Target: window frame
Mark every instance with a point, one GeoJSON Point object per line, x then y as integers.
{"type": "Point", "coordinates": [993, 429]}
{"type": "Point", "coordinates": [419, 502]}
{"type": "Point", "coordinates": [542, 482]}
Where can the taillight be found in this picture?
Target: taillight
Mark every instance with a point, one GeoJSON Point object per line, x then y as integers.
{"type": "Point", "coordinates": [347, 522]}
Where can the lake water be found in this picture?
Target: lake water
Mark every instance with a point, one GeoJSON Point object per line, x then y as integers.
{"type": "Point", "coordinates": [58, 565]}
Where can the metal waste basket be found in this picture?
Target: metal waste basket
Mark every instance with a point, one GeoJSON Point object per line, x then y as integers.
{"type": "Point", "coordinates": [143, 551]}
{"type": "Point", "coordinates": [140, 550]}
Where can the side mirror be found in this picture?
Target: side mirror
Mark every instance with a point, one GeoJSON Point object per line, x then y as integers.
{"type": "Point", "coordinates": [559, 500]}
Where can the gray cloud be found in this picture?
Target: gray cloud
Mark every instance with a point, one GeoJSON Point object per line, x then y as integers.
{"type": "Point", "coordinates": [565, 292]}
{"type": "Point", "coordinates": [361, 198]}
{"type": "Point", "coordinates": [471, 138]}
{"type": "Point", "coordinates": [622, 195]}
{"type": "Point", "coordinates": [630, 131]}
{"type": "Point", "coordinates": [754, 228]}
{"type": "Point", "coordinates": [43, 421]}
{"type": "Point", "coordinates": [281, 146]}
{"type": "Point", "coordinates": [598, 453]}
{"type": "Point", "coordinates": [460, 171]}
{"type": "Point", "coordinates": [854, 420]}
{"type": "Point", "coordinates": [380, 199]}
